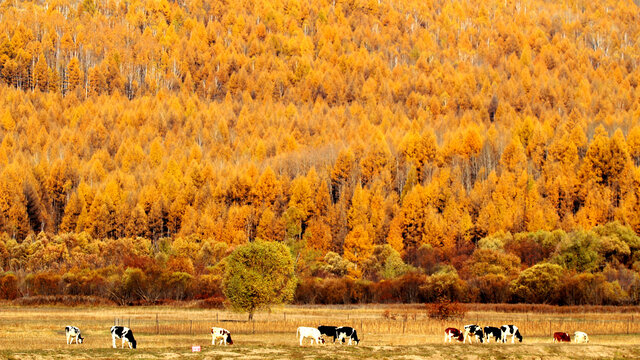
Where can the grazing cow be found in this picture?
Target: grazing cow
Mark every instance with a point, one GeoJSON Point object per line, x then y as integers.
{"type": "Point", "coordinates": [346, 332]}
{"type": "Point", "coordinates": [223, 334]}
{"type": "Point", "coordinates": [490, 331]}
{"type": "Point", "coordinates": [328, 331]}
{"type": "Point", "coordinates": [561, 337]}
{"type": "Point", "coordinates": [510, 330]}
{"type": "Point", "coordinates": [73, 333]}
{"type": "Point", "coordinates": [450, 333]}
{"type": "Point", "coordinates": [579, 337]}
{"type": "Point", "coordinates": [474, 330]}
{"type": "Point", "coordinates": [309, 332]}
{"type": "Point", "coordinates": [124, 333]}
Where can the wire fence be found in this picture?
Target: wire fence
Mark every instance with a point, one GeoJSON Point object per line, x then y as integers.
{"type": "Point", "coordinates": [415, 325]}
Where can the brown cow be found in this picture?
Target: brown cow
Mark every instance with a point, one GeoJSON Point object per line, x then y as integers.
{"type": "Point", "coordinates": [561, 337]}
{"type": "Point", "coordinates": [450, 333]}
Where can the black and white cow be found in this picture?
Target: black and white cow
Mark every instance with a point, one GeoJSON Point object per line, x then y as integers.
{"type": "Point", "coordinates": [510, 330]}
{"type": "Point", "coordinates": [223, 334]}
{"type": "Point", "coordinates": [349, 333]}
{"type": "Point", "coordinates": [72, 333]}
{"type": "Point", "coordinates": [492, 332]}
{"type": "Point", "coordinates": [474, 330]}
{"type": "Point", "coordinates": [124, 333]}
{"type": "Point", "coordinates": [329, 331]}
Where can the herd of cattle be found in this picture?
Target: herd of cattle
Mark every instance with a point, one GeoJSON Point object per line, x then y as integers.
{"type": "Point", "coordinates": [348, 335]}
{"type": "Point", "coordinates": [342, 334]}
{"type": "Point", "coordinates": [501, 334]}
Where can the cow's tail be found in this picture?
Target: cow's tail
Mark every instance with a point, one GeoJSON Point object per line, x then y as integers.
{"type": "Point", "coordinates": [298, 333]}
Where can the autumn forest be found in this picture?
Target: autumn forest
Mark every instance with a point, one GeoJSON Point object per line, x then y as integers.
{"type": "Point", "coordinates": [404, 151]}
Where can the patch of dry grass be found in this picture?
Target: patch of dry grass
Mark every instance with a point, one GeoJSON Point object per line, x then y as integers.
{"type": "Point", "coordinates": [38, 333]}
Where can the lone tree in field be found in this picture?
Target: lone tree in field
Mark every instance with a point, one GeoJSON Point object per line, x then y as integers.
{"type": "Point", "coordinates": [259, 274]}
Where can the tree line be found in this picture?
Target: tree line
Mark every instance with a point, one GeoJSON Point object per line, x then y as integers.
{"type": "Point", "coordinates": [351, 131]}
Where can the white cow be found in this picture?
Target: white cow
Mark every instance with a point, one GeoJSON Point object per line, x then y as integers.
{"type": "Point", "coordinates": [579, 337]}
{"type": "Point", "coordinates": [73, 333]}
{"type": "Point", "coordinates": [223, 334]}
{"type": "Point", "coordinates": [309, 332]}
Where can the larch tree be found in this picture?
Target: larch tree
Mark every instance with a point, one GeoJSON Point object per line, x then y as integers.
{"type": "Point", "coordinates": [258, 275]}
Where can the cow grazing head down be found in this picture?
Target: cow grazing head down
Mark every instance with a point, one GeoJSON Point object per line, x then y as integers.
{"type": "Point", "coordinates": [453, 333]}
{"type": "Point", "coordinates": [223, 334]}
{"type": "Point", "coordinates": [329, 331]}
{"type": "Point", "coordinates": [124, 333]}
{"type": "Point", "coordinates": [314, 334]}
{"type": "Point", "coordinates": [346, 333]}
{"type": "Point", "coordinates": [510, 330]}
{"type": "Point", "coordinates": [73, 333]}
{"type": "Point", "coordinates": [561, 337]}
{"type": "Point", "coordinates": [580, 337]}
{"type": "Point", "coordinates": [474, 330]}
{"type": "Point", "coordinates": [492, 332]}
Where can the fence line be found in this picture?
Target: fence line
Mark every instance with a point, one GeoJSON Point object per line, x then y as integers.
{"type": "Point", "coordinates": [379, 326]}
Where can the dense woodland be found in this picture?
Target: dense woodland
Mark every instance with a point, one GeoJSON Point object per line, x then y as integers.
{"type": "Point", "coordinates": [404, 150]}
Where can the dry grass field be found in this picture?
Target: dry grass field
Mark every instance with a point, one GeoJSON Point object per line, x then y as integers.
{"type": "Point", "coordinates": [169, 332]}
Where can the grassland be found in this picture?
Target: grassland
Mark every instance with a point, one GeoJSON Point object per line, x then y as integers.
{"type": "Point", "coordinates": [169, 333]}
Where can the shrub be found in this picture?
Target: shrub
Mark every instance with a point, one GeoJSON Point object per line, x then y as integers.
{"type": "Point", "coordinates": [214, 302]}
{"type": "Point", "coordinates": [445, 309]}
{"type": "Point", "coordinates": [9, 286]}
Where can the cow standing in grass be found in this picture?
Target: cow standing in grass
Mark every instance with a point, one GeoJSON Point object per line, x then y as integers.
{"type": "Point", "coordinates": [124, 333]}
{"type": "Point", "coordinates": [72, 333]}
{"type": "Point", "coordinates": [580, 337]}
{"type": "Point", "coordinates": [223, 334]}
{"type": "Point", "coordinates": [329, 331]}
{"type": "Point", "coordinates": [453, 333]}
{"type": "Point", "coordinates": [510, 330]}
{"type": "Point", "coordinates": [492, 332]}
{"type": "Point", "coordinates": [561, 337]}
{"type": "Point", "coordinates": [309, 332]}
{"type": "Point", "coordinates": [346, 332]}
{"type": "Point", "coordinates": [474, 330]}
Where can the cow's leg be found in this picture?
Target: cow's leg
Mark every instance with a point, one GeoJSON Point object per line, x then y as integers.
{"type": "Point", "coordinates": [113, 339]}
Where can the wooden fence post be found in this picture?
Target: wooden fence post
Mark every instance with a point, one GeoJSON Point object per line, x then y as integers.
{"type": "Point", "coordinates": [190, 327]}
{"type": "Point", "coordinates": [157, 325]}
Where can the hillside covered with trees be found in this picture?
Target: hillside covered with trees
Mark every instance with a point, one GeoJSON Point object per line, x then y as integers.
{"type": "Point", "coordinates": [404, 150]}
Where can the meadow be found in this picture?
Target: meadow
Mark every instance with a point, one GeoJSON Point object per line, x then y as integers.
{"type": "Point", "coordinates": [387, 331]}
